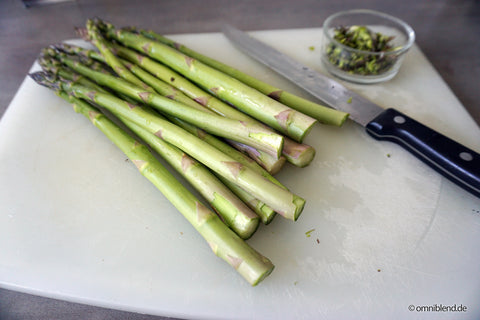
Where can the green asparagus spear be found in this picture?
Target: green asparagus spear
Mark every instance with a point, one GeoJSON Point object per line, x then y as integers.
{"type": "Point", "coordinates": [270, 163]}
{"type": "Point", "coordinates": [265, 213]}
{"type": "Point", "coordinates": [321, 113]}
{"type": "Point", "coordinates": [269, 111]}
{"type": "Point", "coordinates": [80, 51]}
{"type": "Point", "coordinates": [296, 153]}
{"type": "Point", "coordinates": [279, 199]}
{"type": "Point", "coordinates": [224, 242]}
{"type": "Point", "coordinates": [233, 211]}
{"type": "Point", "coordinates": [241, 131]}
{"type": "Point", "coordinates": [60, 69]}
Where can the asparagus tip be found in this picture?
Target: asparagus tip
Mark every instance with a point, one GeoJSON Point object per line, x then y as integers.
{"type": "Point", "coordinates": [45, 79]}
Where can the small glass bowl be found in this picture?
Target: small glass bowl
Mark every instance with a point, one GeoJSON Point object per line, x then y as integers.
{"type": "Point", "coordinates": [361, 66]}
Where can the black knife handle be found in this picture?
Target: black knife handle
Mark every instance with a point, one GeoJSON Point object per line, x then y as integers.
{"type": "Point", "coordinates": [454, 161]}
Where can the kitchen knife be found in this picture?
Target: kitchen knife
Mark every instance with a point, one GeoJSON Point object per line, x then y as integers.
{"type": "Point", "coordinates": [453, 160]}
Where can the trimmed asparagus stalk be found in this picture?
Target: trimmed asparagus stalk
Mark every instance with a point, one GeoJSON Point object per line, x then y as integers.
{"type": "Point", "coordinates": [269, 111]}
{"type": "Point", "coordinates": [296, 153]}
{"type": "Point", "coordinates": [56, 68]}
{"type": "Point", "coordinates": [270, 163]}
{"type": "Point", "coordinates": [265, 213]}
{"type": "Point", "coordinates": [227, 149]}
{"type": "Point", "coordinates": [166, 90]}
{"type": "Point", "coordinates": [241, 131]}
{"type": "Point", "coordinates": [279, 199]}
{"type": "Point", "coordinates": [250, 264]}
{"type": "Point", "coordinates": [320, 112]}
{"type": "Point", "coordinates": [233, 211]}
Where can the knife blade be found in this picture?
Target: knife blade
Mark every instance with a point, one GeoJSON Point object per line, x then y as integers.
{"type": "Point", "coordinates": [454, 161]}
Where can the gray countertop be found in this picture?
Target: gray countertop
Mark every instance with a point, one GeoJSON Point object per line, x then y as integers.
{"type": "Point", "coordinates": [447, 32]}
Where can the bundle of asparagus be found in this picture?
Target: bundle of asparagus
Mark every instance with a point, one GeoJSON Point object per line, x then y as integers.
{"type": "Point", "coordinates": [181, 109]}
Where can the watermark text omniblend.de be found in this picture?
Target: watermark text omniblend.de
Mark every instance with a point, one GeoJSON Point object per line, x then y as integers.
{"type": "Point", "coordinates": [438, 308]}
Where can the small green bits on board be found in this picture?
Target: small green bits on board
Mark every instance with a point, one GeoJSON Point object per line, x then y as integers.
{"type": "Point", "coordinates": [308, 233]}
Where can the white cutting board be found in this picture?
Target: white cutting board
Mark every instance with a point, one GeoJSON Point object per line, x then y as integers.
{"type": "Point", "coordinates": [78, 222]}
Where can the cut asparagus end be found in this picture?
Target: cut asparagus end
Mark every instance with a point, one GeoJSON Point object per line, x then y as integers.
{"type": "Point", "coordinates": [300, 155]}
{"type": "Point", "coordinates": [299, 204]}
